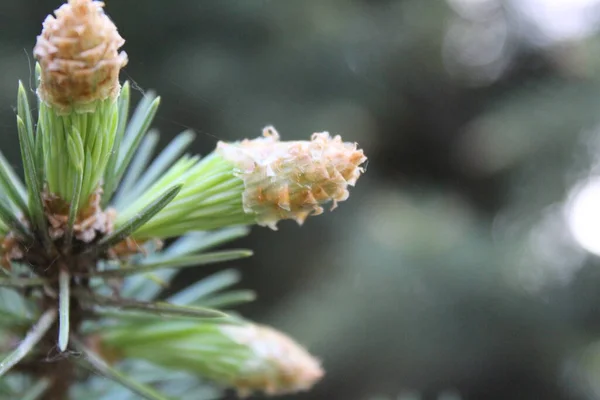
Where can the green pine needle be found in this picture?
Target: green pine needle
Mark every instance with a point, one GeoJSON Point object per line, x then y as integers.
{"type": "Point", "coordinates": [229, 299]}
{"type": "Point", "coordinates": [32, 180]}
{"type": "Point", "coordinates": [179, 262]}
{"type": "Point", "coordinates": [137, 128]}
{"type": "Point", "coordinates": [95, 363]}
{"type": "Point", "coordinates": [129, 192]}
{"type": "Point", "coordinates": [64, 299]}
{"type": "Point", "coordinates": [73, 209]}
{"type": "Point", "coordinates": [12, 221]}
{"type": "Point", "coordinates": [137, 221]}
{"type": "Point", "coordinates": [207, 286]}
{"type": "Point", "coordinates": [11, 184]}
{"type": "Point", "coordinates": [22, 283]}
{"type": "Point", "coordinates": [196, 242]}
{"type": "Point", "coordinates": [36, 391]}
{"type": "Point", "coordinates": [138, 164]}
{"type": "Point", "coordinates": [110, 176]}
{"type": "Point", "coordinates": [24, 112]}
{"type": "Point", "coordinates": [157, 308]}
{"type": "Point", "coordinates": [33, 337]}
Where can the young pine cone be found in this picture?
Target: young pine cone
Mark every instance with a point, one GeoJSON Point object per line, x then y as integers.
{"type": "Point", "coordinates": [78, 51]}
{"type": "Point", "coordinates": [293, 179]}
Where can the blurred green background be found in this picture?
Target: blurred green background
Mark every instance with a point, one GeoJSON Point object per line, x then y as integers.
{"type": "Point", "coordinates": [463, 265]}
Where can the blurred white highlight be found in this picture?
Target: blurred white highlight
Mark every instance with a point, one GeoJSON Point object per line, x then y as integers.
{"type": "Point", "coordinates": [558, 20]}
{"type": "Point", "coordinates": [583, 214]}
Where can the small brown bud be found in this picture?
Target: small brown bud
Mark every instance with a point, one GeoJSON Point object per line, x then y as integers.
{"type": "Point", "coordinates": [90, 222]}
{"type": "Point", "coordinates": [78, 51]}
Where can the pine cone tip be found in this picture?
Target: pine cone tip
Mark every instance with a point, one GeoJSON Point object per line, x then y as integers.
{"type": "Point", "coordinates": [78, 52]}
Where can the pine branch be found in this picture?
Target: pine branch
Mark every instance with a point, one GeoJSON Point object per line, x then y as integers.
{"type": "Point", "coordinates": [156, 308]}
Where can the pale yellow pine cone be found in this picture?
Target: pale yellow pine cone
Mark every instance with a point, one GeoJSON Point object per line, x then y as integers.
{"type": "Point", "coordinates": [279, 365]}
{"type": "Point", "coordinates": [78, 51]}
{"type": "Point", "coordinates": [293, 179]}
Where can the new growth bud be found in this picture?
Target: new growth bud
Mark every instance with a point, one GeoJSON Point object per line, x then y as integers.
{"type": "Point", "coordinates": [248, 357]}
{"type": "Point", "coordinates": [278, 366]}
{"type": "Point", "coordinates": [78, 51]}
{"type": "Point", "coordinates": [260, 181]}
{"type": "Point", "coordinates": [292, 180]}
{"type": "Point", "coordinates": [79, 63]}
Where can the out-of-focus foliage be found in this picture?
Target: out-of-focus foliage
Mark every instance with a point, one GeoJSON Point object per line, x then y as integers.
{"type": "Point", "coordinates": [460, 266]}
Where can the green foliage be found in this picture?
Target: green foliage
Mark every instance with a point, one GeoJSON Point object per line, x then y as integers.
{"type": "Point", "coordinates": [77, 149]}
{"type": "Point", "coordinates": [75, 157]}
